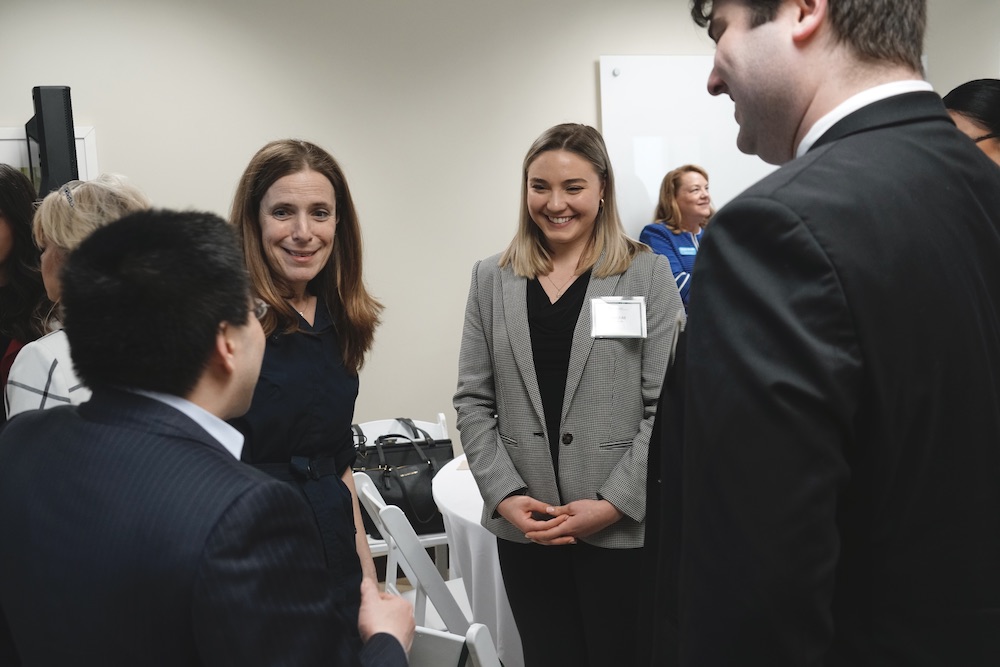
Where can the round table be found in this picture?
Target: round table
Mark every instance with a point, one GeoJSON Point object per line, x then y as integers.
{"type": "Point", "coordinates": [474, 556]}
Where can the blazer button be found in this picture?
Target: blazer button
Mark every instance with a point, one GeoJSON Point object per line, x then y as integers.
{"type": "Point", "coordinates": [567, 438]}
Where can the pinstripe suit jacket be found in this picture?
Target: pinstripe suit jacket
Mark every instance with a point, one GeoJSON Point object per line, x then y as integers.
{"type": "Point", "coordinates": [611, 394]}
{"type": "Point", "coordinates": [131, 537]}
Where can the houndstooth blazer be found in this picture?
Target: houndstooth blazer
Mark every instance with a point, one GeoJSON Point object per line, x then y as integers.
{"type": "Point", "coordinates": [612, 390]}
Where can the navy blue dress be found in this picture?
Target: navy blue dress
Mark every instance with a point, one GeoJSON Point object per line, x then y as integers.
{"type": "Point", "coordinates": [298, 428]}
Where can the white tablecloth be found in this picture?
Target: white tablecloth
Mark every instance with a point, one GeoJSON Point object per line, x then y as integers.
{"type": "Point", "coordinates": [474, 557]}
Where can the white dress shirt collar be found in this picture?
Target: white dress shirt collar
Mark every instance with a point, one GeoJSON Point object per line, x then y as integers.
{"type": "Point", "coordinates": [855, 102]}
{"type": "Point", "coordinates": [226, 435]}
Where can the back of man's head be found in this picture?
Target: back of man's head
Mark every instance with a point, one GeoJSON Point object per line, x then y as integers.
{"type": "Point", "coordinates": [143, 299]}
{"type": "Point", "coordinates": [876, 31]}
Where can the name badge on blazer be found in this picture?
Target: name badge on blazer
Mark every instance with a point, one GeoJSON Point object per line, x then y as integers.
{"type": "Point", "coordinates": [688, 251]}
{"type": "Point", "coordinates": [618, 317]}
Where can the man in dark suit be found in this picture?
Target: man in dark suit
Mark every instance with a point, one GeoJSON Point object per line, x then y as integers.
{"type": "Point", "coordinates": [841, 462]}
{"type": "Point", "coordinates": [131, 533]}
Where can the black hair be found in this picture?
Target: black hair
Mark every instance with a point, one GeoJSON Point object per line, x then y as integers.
{"type": "Point", "coordinates": [23, 299]}
{"type": "Point", "coordinates": [143, 299]}
{"type": "Point", "coordinates": [979, 101]}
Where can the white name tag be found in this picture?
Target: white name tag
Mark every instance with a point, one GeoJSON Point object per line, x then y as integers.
{"type": "Point", "coordinates": [618, 317]}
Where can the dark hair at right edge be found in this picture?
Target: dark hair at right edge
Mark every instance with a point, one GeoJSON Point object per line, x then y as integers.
{"type": "Point", "coordinates": [22, 302]}
{"type": "Point", "coordinates": [979, 101]}
{"type": "Point", "coordinates": [144, 296]}
{"type": "Point", "coordinates": [876, 30]}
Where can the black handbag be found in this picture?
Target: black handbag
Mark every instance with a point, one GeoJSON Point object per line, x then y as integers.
{"type": "Point", "coordinates": [402, 467]}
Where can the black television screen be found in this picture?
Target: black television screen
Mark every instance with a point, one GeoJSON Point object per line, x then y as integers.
{"type": "Point", "coordinates": [51, 139]}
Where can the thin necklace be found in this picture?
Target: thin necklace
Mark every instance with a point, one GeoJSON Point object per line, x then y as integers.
{"type": "Point", "coordinates": [559, 290]}
{"type": "Point", "coordinates": [300, 312]}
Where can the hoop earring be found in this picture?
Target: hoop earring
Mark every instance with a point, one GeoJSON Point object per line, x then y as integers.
{"type": "Point", "coordinates": [601, 205]}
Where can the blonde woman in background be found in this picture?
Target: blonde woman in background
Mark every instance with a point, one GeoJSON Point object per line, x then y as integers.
{"type": "Point", "coordinates": [682, 213]}
{"type": "Point", "coordinates": [42, 375]}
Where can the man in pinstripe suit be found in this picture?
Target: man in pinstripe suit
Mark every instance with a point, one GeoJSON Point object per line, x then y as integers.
{"type": "Point", "coordinates": [131, 533]}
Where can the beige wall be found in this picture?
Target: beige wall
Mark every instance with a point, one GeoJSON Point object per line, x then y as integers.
{"type": "Point", "coordinates": [963, 41]}
{"type": "Point", "coordinates": [429, 105]}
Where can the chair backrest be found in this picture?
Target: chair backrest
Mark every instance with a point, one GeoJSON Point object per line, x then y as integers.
{"type": "Point", "coordinates": [406, 550]}
{"type": "Point", "coordinates": [421, 572]}
{"type": "Point", "coordinates": [481, 646]}
{"type": "Point", "coordinates": [433, 648]}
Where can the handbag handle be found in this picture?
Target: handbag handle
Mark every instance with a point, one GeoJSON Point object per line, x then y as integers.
{"type": "Point", "coordinates": [360, 439]}
{"type": "Point", "coordinates": [397, 436]}
{"type": "Point", "coordinates": [416, 430]}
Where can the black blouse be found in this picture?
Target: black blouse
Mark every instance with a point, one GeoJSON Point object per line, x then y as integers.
{"type": "Point", "coordinates": [303, 404]}
{"type": "Point", "coordinates": [551, 327]}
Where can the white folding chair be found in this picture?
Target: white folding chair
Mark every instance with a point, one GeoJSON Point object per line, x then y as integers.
{"type": "Point", "coordinates": [372, 503]}
{"type": "Point", "coordinates": [449, 607]}
{"type": "Point", "coordinates": [437, 430]}
{"type": "Point", "coordinates": [434, 648]}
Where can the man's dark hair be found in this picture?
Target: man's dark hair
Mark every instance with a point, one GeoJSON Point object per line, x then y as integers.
{"type": "Point", "coordinates": [143, 299]}
{"type": "Point", "coordinates": [876, 30]}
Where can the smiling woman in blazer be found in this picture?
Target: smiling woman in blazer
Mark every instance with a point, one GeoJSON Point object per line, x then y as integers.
{"type": "Point", "coordinates": [556, 422]}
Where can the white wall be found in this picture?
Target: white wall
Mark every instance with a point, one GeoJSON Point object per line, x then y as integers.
{"type": "Point", "coordinates": [428, 104]}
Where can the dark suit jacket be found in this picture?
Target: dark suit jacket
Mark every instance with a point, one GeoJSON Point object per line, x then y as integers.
{"type": "Point", "coordinates": [841, 471]}
{"type": "Point", "coordinates": [131, 537]}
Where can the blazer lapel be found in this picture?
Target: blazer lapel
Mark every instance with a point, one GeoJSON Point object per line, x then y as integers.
{"type": "Point", "coordinates": [583, 342]}
{"type": "Point", "coordinates": [515, 313]}
{"type": "Point", "coordinates": [896, 110]}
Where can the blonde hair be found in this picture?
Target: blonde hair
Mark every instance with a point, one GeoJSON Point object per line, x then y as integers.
{"type": "Point", "coordinates": [528, 254]}
{"type": "Point", "coordinates": [70, 214]}
{"type": "Point", "coordinates": [668, 212]}
{"type": "Point", "coordinates": [340, 284]}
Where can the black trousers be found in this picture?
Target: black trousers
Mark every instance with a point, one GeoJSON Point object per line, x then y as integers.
{"type": "Point", "coordinates": [575, 604]}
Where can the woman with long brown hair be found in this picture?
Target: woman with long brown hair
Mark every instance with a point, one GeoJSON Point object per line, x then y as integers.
{"type": "Point", "coordinates": [302, 246]}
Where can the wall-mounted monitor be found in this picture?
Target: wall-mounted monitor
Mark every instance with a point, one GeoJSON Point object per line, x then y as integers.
{"type": "Point", "coordinates": [51, 141]}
